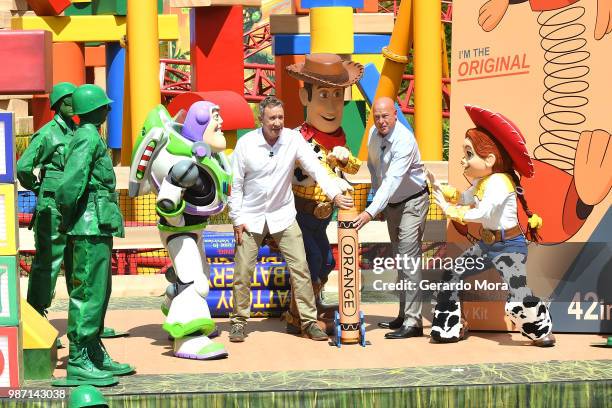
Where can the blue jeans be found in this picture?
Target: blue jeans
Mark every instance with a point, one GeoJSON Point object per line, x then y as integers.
{"type": "Point", "coordinates": [318, 251]}
{"type": "Point", "coordinates": [508, 257]}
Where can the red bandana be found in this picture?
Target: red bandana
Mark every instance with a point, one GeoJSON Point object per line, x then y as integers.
{"type": "Point", "coordinates": [327, 140]}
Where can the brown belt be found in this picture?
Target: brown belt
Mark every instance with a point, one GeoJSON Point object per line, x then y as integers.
{"type": "Point", "coordinates": [321, 210]}
{"type": "Point", "coordinates": [491, 236]}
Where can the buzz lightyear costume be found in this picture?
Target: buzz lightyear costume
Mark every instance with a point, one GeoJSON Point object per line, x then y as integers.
{"type": "Point", "coordinates": [191, 177]}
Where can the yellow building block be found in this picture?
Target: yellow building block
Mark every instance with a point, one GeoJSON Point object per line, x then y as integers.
{"type": "Point", "coordinates": [91, 28]}
{"type": "Point", "coordinates": [81, 1]}
{"type": "Point", "coordinates": [376, 59]}
{"type": "Point", "coordinates": [8, 227]}
{"type": "Point", "coordinates": [37, 331]}
{"type": "Point", "coordinates": [210, 3]}
{"type": "Point", "coordinates": [331, 30]}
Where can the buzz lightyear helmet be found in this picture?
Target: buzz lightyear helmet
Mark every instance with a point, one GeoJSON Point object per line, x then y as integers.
{"type": "Point", "coordinates": [161, 144]}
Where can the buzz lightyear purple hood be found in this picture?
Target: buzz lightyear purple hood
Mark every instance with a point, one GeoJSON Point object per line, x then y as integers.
{"type": "Point", "coordinates": [197, 120]}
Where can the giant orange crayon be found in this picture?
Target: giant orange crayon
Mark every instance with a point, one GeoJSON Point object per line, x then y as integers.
{"type": "Point", "coordinates": [349, 319]}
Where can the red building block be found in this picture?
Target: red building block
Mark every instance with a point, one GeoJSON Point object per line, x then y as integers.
{"type": "Point", "coordinates": [41, 112]}
{"type": "Point", "coordinates": [26, 61]}
{"type": "Point", "coordinates": [48, 7]}
{"type": "Point", "coordinates": [217, 52]}
{"type": "Point", "coordinates": [287, 89]}
{"type": "Point", "coordinates": [10, 373]}
{"type": "Point", "coordinates": [235, 110]}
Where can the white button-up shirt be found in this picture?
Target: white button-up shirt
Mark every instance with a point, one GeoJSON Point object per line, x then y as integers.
{"type": "Point", "coordinates": [262, 174]}
{"type": "Point", "coordinates": [395, 165]}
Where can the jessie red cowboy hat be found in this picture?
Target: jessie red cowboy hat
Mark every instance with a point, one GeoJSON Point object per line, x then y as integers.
{"type": "Point", "coordinates": [326, 70]}
{"type": "Point", "coordinates": [506, 133]}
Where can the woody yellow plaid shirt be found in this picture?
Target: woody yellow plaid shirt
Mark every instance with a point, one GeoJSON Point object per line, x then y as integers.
{"type": "Point", "coordinates": [305, 187]}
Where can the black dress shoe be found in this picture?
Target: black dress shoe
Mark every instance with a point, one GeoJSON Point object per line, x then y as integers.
{"type": "Point", "coordinates": [393, 324]}
{"type": "Point", "coordinates": [405, 332]}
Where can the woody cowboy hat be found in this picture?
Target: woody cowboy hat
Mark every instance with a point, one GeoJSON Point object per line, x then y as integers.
{"type": "Point", "coordinates": [326, 70]}
{"type": "Point", "coordinates": [507, 134]}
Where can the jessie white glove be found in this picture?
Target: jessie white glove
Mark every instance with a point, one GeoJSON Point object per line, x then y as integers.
{"type": "Point", "coordinates": [343, 184]}
{"type": "Point", "coordinates": [440, 200]}
{"type": "Point", "coordinates": [341, 153]}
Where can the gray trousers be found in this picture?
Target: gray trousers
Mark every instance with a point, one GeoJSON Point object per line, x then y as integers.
{"type": "Point", "coordinates": [406, 224]}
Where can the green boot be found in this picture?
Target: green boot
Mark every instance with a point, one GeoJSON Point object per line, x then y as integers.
{"type": "Point", "coordinates": [104, 362]}
{"type": "Point", "coordinates": [81, 370]}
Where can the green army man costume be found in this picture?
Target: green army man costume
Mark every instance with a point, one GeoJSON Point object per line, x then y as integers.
{"type": "Point", "coordinates": [46, 152]}
{"type": "Point", "coordinates": [87, 201]}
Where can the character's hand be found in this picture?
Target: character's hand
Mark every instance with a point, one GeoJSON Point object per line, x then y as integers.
{"type": "Point", "coordinates": [343, 184]}
{"type": "Point", "coordinates": [271, 243]}
{"type": "Point", "coordinates": [440, 200]}
{"type": "Point", "coordinates": [344, 202]}
{"type": "Point", "coordinates": [603, 21]}
{"type": "Point", "coordinates": [491, 13]}
{"type": "Point", "coordinates": [238, 231]}
{"type": "Point", "coordinates": [361, 220]}
{"type": "Point", "coordinates": [593, 166]}
{"type": "Point", "coordinates": [339, 153]}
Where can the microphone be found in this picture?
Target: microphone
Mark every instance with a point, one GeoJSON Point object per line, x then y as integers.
{"type": "Point", "coordinates": [271, 153]}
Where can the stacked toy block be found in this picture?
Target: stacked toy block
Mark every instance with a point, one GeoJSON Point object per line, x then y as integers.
{"type": "Point", "coordinates": [86, 22]}
{"type": "Point", "coordinates": [217, 60]}
{"type": "Point", "coordinates": [11, 368]}
{"type": "Point", "coordinates": [329, 27]}
{"type": "Point", "coordinates": [12, 8]}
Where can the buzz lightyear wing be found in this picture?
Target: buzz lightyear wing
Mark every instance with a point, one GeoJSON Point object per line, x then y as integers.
{"type": "Point", "coordinates": [147, 144]}
{"type": "Point", "coordinates": [140, 168]}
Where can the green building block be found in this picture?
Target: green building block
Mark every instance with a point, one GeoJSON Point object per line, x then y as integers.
{"type": "Point", "coordinates": [79, 9]}
{"type": "Point", "coordinates": [353, 123]}
{"type": "Point", "coordinates": [117, 7]}
{"type": "Point", "coordinates": [39, 363]}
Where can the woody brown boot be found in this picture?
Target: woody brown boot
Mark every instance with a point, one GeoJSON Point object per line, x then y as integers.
{"type": "Point", "coordinates": [292, 317]}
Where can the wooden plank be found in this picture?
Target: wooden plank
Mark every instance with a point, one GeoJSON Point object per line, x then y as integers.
{"type": "Point", "coordinates": [18, 106]}
{"type": "Point", "coordinates": [365, 23]}
{"type": "Point", "coordinates": [91, 28]}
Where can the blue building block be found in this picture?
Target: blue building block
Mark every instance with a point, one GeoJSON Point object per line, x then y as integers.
{"type": "Point", "coordinates": [115, 73]}
{"type": "Point", "coordinates": [367, 85]}
{"type": "Point", "coordinates": [299, 44]}
{"type": "Point", "coordinates": [7, 139]}
{"type": "Point", "coordinates": [331, 3]}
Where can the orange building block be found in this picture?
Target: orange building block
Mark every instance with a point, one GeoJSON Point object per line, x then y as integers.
{"type": "Point", "coordinates": [48, 7]}
{"type": "Point", "coordinates": [68, 63]}
{"type": "Point", "coordinates": [287, 89]}
{"type": "Point", "coordinates": [369, 6]}
{"type": "Point", "coordinates": [95, 56]}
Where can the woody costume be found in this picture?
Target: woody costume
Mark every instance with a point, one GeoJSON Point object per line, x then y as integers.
{"type": "Point", "coordinates": [326, 76]}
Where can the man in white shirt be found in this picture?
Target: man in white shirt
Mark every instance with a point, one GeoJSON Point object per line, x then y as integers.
{"type": "Point", "coordinates": [262, 202]}
{"type": "Point", "coordinates": [399, 182]}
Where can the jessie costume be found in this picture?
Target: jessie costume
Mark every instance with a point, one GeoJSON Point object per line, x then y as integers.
{"type": "Point", "coordinates": [492, 202]}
